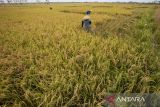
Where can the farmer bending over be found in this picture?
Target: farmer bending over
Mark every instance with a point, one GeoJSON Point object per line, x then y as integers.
{"type": "Point", "coordinates": [86, 22]}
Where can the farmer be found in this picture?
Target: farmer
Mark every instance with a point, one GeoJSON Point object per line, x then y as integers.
{"type": "Point", "coordinates": [86, 22]}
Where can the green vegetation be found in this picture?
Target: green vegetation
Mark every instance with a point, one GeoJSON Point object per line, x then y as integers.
{"type": "Point", "coordinates": [47, 60]}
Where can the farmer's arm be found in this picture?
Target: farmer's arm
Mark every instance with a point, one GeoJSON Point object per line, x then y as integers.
{"type": "Point", "coordinates": [82, 23]}
{"type": "Point", "coordinates": [90, 22]}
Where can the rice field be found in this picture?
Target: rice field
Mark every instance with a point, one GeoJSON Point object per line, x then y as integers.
{"type": "Point", "coordinates": [48, 60]}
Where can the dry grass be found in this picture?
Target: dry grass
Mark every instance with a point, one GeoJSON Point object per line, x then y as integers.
{"type": "Point", "coordinates": [157, 28]}
{"type": "Point", "coordinates": [47, 60]}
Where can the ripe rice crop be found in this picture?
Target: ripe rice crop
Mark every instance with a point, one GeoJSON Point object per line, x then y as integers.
{"type": "Point", "coordinates": [48, 60]}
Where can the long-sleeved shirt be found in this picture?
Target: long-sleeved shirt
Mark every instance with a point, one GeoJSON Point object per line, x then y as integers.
{"type": "Point", "coordinates": [86, 22]}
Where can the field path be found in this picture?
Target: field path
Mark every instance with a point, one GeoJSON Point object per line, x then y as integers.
{"type": "Point", "coordinates": [156, 36]}
{"type": "Point", "coordinates": [157, 16]}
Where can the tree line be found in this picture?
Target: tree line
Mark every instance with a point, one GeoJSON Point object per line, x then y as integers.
{"type": "Point", "coordinates": [47, 1]}
{"type": "Point", "coordinates": [20, 1]}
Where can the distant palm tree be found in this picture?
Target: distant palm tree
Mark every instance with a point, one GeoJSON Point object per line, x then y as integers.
{"type": "Point", "coordinates": [9, 1]}
{"type": "Point", "coordinates": [157, 1]}
{"type": "Point", "coordinates": [47, 1]}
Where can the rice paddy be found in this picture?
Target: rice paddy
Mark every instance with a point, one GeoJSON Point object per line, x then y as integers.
{"type": "Point", "coordinates": [48, 60]}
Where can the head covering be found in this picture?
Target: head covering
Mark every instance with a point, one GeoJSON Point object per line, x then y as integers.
{"type": "Point", "coordinates": [88, 12]}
